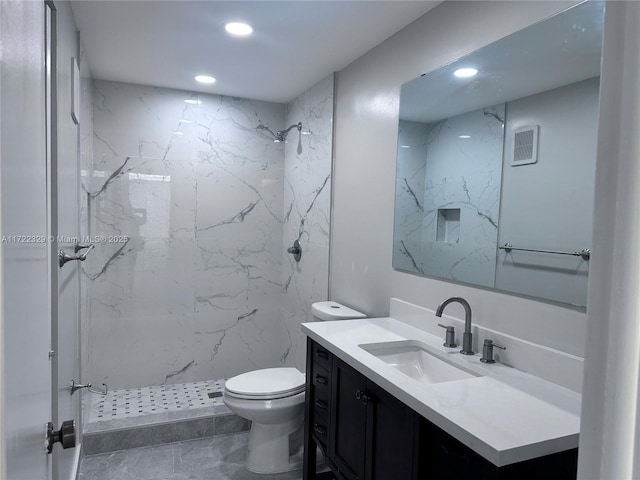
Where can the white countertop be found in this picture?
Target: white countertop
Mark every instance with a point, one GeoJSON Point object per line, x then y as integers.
{"type": "Point", "coordinates": [506, 416]}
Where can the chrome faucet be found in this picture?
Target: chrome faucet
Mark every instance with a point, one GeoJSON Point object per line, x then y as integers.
{"type": "Point", "coordinates": [466, 336]}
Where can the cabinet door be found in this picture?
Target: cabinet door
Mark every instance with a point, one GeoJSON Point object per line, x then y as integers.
{"type": "Point", "coordinates": [445, 458]}
{"type": "Point", "coordinates": [348, 421]}
{"type": "Point", "coordinates": [392, 441]}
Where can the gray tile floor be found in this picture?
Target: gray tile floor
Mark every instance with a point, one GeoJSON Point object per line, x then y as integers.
{"type": "Point", "coordinates": [212, 458]}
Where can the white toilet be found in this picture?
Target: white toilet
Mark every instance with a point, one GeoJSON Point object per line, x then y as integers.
{"type": "Point", "coordinates": [273, 399]}
{"type": "Point", "coordinates": [334, 311]}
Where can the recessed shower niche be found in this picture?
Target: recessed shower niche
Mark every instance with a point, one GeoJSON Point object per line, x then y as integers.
{"type": "Point", "coordinates": [448, 229]}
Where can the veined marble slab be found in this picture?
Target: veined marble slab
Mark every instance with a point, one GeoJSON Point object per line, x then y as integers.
{"type": "Point", "coordinates": [192, 206]}
{"type": "Point", "coordinates": [307, 204]}
{"type": "Point", "coordinates": [186, 202]}
{"type": "Point", "coordinates": [454, 165]}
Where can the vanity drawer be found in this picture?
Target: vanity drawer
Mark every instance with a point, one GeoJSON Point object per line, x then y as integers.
{"type": "Point", "coordinates": [321, 381]}
{"type": "Point", "coordinates": [321, 395]}
{"type": "Point", "coordinates": [320, 400]}
{"type": "Point", "coordinates": [321, 356]}
{"type": "Point", "coordinates": [319, 384]}
{"type": "Point", "coordinates": [320, 431]}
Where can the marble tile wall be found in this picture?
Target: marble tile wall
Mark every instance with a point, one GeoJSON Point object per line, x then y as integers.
{"type": "Point", "coordinates": [465, 174]}
{"type": "Point", "coordinates": [409, 200]}
{"type": "Point", "coordinates": [462, 176]}
{"type": "Point", "coordinates": [307, 204]}
{"type": "Point", "coordinates": [185, 204]}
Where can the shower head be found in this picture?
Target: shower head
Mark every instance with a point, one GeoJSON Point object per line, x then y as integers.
{"type": "Point", "coordinates": [281, 135]}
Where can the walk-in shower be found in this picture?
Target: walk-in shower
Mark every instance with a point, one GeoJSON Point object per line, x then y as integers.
{"type": "Point", "coordinates": [201, 220]}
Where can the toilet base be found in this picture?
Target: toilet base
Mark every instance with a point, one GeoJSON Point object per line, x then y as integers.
{"type": "Point", "coordinates": [275, 448]}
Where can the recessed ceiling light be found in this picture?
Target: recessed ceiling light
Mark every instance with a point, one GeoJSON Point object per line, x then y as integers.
{"type": "Point", "coordinates": [177, 133]}
{"type": "Point", "coordinates": [205, 79]}
{"type": "Point", "coordinates": [405, 146]}
{"type": "Point", "coordinates": [192, 101]}
{"type": "Point", "coordinates": [238, 28]}
{"type": "Point", "coordinates": [464, 136]}
{"type": "Point", "coordinates": [184, 121]}
{"type": "Point", "coordinates": [465, 72]}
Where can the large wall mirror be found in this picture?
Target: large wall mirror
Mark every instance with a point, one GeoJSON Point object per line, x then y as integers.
{"type": "Point", "coordinates": [495, 170]}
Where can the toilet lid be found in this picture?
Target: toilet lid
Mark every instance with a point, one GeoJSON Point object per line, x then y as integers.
{"type": "Point", "coordinates": [267, 382]}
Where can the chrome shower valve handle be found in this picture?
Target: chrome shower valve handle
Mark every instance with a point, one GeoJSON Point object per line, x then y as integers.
{"type": "Point", "coordinates": [77, 386]}
{"type": "Point", "coordinates": [64, 257]}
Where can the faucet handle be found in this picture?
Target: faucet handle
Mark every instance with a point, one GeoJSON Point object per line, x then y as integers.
{"type": "Point", "coordinates": [487, 351]}
{"type": "Point", "coordinates": [450, 340]}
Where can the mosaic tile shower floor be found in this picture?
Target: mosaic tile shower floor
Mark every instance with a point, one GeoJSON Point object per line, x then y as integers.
{"type": "Point", "coordinates": [132, 402]}
{"type": "Point", "coordinates": [145, 405]}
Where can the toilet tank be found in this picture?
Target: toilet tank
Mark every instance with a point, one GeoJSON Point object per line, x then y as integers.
{"type": "Point", "coordinates": [334, 311]}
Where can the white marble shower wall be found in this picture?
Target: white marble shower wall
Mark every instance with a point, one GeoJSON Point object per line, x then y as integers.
{"type": "Point", "coordinates": [185, 201]}
{"type": "Point", "coordinates": [409, 200]}
{"type": "Point", "coordinates": [464, 174]}
{"type": "Point", "coordinates": [307, 204]}
{"type": "Point", "coordinates": [457, 194]}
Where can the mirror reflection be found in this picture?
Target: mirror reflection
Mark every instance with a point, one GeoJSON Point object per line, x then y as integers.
{"type": "Point", "coordinates": [496, 162]}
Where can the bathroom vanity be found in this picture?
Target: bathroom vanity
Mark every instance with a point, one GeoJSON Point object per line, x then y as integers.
{"type": "Point", "coordinates": [375, 415]}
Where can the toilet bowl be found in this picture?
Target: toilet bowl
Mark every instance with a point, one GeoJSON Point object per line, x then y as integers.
{"type": "Point", "coordinates": [273, 399]}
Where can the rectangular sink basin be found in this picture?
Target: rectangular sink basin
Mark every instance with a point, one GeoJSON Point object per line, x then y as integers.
{"type": "Point", "coordinates": [414, 359]}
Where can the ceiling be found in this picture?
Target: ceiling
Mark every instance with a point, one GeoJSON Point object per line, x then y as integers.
{"type": "Point", "coordinates": [561, 50]}
{"type": "Point", "coordinates": [294, 43]}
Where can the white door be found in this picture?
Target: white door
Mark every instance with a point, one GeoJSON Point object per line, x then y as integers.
{"type": "Point", "coordinates": [26, 392]}
{"type": "Point", "coordinates": [65, 221]}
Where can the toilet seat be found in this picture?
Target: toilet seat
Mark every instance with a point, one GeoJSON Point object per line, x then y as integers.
{"type": "Point", "coordinates": [266, 384]}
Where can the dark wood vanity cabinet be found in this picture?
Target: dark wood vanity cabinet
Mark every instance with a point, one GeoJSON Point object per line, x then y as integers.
{"type": "Point", "coordinates": [445, 458]}
{"type": "Point", "coordinates": [371, 433]}
{"type": "Point", "coordinates": [365, 433]}
{"type": "Point", "coordinates": [392, 451]}
{"type": "Point", "coordinates": [347, 444]}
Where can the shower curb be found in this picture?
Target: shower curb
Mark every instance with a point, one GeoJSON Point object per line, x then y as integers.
{"type": "Point", "coordinates": [95, 443]}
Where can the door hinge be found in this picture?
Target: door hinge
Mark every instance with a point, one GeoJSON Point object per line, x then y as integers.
{"type": "Point", "coordinates": [52, 353]}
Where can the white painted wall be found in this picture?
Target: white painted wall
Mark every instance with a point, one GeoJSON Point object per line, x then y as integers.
{"type": "Point", "coordinates": [610, 427]}
{"type": "Point", "coordinates": [3, 462]}
{"type": "Point", "coordinates": [366, 119]}
{"type": "Point", "coordinates": [549, 204]}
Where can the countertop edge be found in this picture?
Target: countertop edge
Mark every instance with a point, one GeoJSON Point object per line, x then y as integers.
{"type": "Point", "coordinates": [499, 458]}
